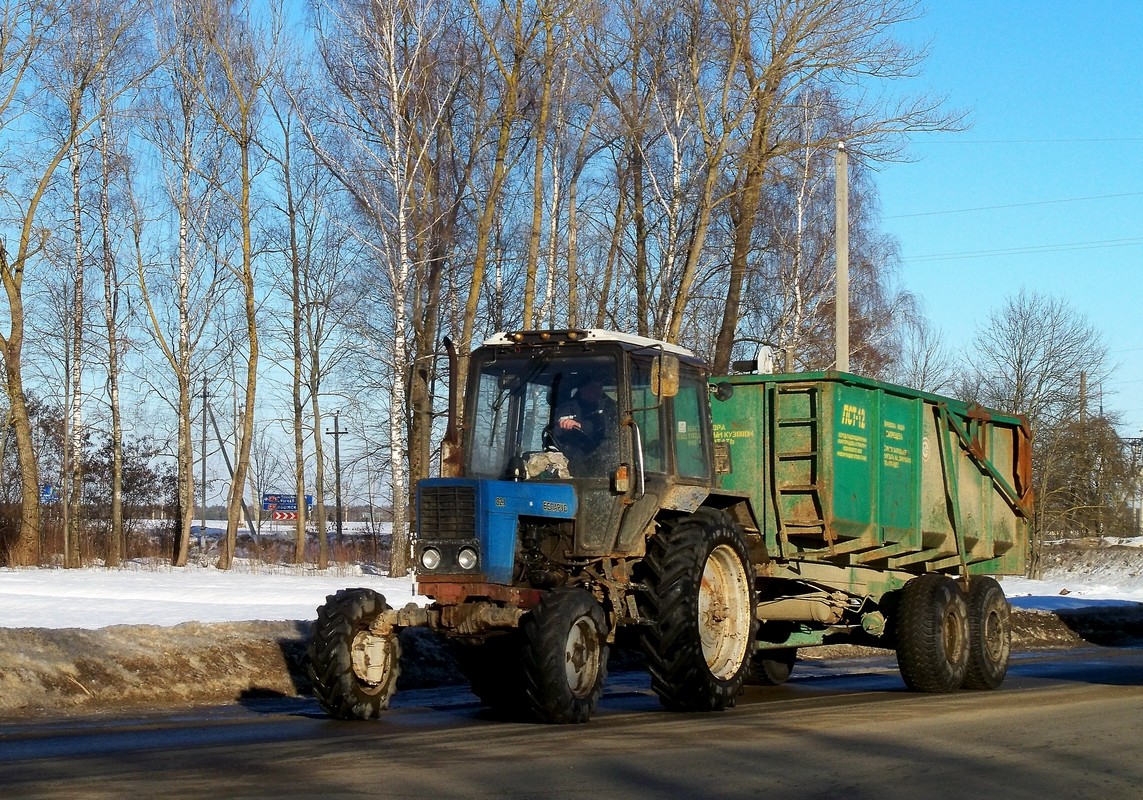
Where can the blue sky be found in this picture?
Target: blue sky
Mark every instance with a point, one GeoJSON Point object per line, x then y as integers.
{"type": "Point", "coordinates": [1048, 180]}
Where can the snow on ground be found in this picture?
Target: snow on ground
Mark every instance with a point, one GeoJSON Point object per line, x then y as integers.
{"type": "Point", "coordinates": [158, 594]}
{"type": "Point", "coordinates": [1098, 577]}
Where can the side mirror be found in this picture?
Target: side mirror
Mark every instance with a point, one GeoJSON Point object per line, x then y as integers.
{"type": "Point", "coordinates": [665, 376]}
{"type": "Point", "coordinates": [722, 391]}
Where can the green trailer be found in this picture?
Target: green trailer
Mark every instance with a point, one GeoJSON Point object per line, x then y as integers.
{"type": "Point", "coordinates": [857, 487]}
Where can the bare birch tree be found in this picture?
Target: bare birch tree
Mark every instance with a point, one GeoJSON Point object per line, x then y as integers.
{"type": "Point", "coordinates": [31, 34]}
{"type": "Point", "coordinates": [105, 33]}
{"type": "Point", "coordinates": [383, 135]}
{"type": "Point", "coordinates": [179, 291]}
{"type": "Point", "coordinates": [318, 254]}
{"type": "Point", "coordinates": [243, 55]}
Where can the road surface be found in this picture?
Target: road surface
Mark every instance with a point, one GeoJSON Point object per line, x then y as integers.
{"type": "Point", "coordinates": [1064, 724]}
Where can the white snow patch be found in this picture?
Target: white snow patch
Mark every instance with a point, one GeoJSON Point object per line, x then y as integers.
{"type": "Point", "coordinates": [154, 593]}
{"type": "Point", "coordinates": [158, 594]}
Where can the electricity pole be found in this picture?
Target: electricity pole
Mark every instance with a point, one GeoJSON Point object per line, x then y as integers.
{"type": "Point", "coordinates": [202, 482]}
{"type": "Point", "coordinates": [336, 433]}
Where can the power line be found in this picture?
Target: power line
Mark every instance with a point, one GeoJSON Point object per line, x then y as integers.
{"type": "Point", "coordinates": [1025, 141]}
{"type": "Point", "coordinates": [1028, 250]}
{"type": "Point", "coordinates": [1015, 205]}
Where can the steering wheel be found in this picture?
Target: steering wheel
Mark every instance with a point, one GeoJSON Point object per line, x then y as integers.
{"type": "Point", "coordinates": [576, 439]}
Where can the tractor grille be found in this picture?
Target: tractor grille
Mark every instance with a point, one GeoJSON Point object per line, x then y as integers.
{"type": "Point", "coordinates": [448, 512]}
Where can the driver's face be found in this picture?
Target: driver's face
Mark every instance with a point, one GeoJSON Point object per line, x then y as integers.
{"type": "Point", "coordinates": [591, 391]}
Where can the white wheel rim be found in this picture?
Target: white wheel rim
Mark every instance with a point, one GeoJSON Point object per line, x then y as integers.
{"type": "Point", "coordinates": [372, 658]}
{"type": "Point", "coordinates": [724, 612]}
{"type": "Point", "coordinates": [581, 657]}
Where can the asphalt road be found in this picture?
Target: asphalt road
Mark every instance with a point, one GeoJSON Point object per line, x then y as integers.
{"type": "Point", "coordinates": [1064, 724]}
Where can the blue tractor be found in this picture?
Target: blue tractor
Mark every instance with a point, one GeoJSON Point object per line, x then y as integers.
{"type": "Point", "coordinates": [578, 497]}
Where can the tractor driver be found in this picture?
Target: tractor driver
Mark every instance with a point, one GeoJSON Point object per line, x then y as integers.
{"type": "Point", "coordinates": [585, 421]}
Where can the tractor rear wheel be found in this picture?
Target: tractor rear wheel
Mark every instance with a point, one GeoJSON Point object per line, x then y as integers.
{"type": "Point", "coordinates": [700, 603]}
{"type": "Point", "coordinates": [989, 634]}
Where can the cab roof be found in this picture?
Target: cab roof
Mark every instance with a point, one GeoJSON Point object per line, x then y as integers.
{"type": "Point", "coordinates": [587, 336]}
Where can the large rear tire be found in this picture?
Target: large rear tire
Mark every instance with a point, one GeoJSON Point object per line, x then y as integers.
{"type": "Point", "coordinates": [354, 671]}
{"type": "Point", "coordinates": [564, 657]}
{"type": "Point", "coordinates": [989, 634]}
{"type": "Point", "coordinates": [700, 602]}
{"type": "Point", "coordinates": [932, 634]}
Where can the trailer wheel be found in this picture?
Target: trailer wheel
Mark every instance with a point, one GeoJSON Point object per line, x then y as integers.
{"type": "Point", "coordinates": [932, 634]}
{"type": "Point", "coordinates": [772, 667]}
{"type": "Point", "coordinates": [354, 671]}
{"type": "Point", "coordinates": [989, 634]}
{"type": "Point", "coordinates": [564, 656]}
{"type": "Point", "coordinates": [700, 601]}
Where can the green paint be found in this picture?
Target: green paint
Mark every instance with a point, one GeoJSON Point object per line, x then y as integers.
{"type": "Point", "coordinates": [857, 474]}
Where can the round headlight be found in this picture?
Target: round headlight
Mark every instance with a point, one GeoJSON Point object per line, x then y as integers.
{"type": "Point", "coordinates": [466, 558]}
{"type": "Point", "coordinates": [430, 558]}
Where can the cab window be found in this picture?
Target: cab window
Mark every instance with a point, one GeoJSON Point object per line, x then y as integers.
{"type": "Point", "coordinates": [689, 428]}
{"type": "Point", "coordinates": [646, 412]}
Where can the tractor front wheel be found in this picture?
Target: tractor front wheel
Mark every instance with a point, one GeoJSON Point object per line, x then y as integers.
{"type": "Point", "coordinates": [564, 657]}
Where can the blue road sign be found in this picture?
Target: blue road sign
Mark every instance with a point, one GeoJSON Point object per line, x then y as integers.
{"type": "Point", "coordinates": [284, 502]}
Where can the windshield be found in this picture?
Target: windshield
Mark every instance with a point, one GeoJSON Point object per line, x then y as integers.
{"type": "Point", "coordinates": [554, 417]}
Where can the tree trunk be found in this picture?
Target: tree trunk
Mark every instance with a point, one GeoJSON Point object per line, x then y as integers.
{"type": "Point", "coordinates": [25, 552]}
{"type": "Point", "coordinates": [115, 539]}
{"type": "Point", "coordinates": [319, 454]}
{"type": "Point", "coordinates": [744, 217]}
{"type": "Point", "coordinates": [610, 267]}
{"type": "Point", "coordinates": [73, 424]}
{"type": "Point", "coordinates": [639, 213]}
{"type": "Point", "coordinates": [246, 425]}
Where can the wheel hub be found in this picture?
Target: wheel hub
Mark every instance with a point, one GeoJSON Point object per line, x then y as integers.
{"type": "Point", "coordinates": [724, 612]}
{"type": "Point", "coordinates": [582, 657]}
{"type": "Point", "coordinates": [372, 658]}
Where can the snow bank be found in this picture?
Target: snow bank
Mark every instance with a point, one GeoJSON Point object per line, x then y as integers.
{"type": "Point", "coordinates": [1099, 573]}
{"type": "Point", "coordinates": [157, 594]}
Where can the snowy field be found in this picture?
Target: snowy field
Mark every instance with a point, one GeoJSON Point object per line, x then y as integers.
{"type": "Point", "coordinates": [157, 594]}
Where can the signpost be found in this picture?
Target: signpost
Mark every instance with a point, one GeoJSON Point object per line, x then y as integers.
{"type": "Point", "coordinates": [274, 501]}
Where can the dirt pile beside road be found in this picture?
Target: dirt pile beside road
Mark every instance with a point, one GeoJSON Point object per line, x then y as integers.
{"type": "Point", "coordinates": [47, 673]}
{"type": "Point", "coordinates": [52, 672]}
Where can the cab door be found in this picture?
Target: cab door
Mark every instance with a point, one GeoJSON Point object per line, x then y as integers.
{"type": "Point", "coordinates": [674, 435]}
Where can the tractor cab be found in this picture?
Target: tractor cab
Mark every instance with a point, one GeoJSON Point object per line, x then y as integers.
{"type": "Point", "coordinates": [572, 442]}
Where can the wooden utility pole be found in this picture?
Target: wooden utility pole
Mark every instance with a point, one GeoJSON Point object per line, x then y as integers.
{"type": "Point", "coordinates": [202, 483]}
{"type": "Point", "coordinates": [336, 433]}
{"type": "Point", "coordinates": [841, 207]}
